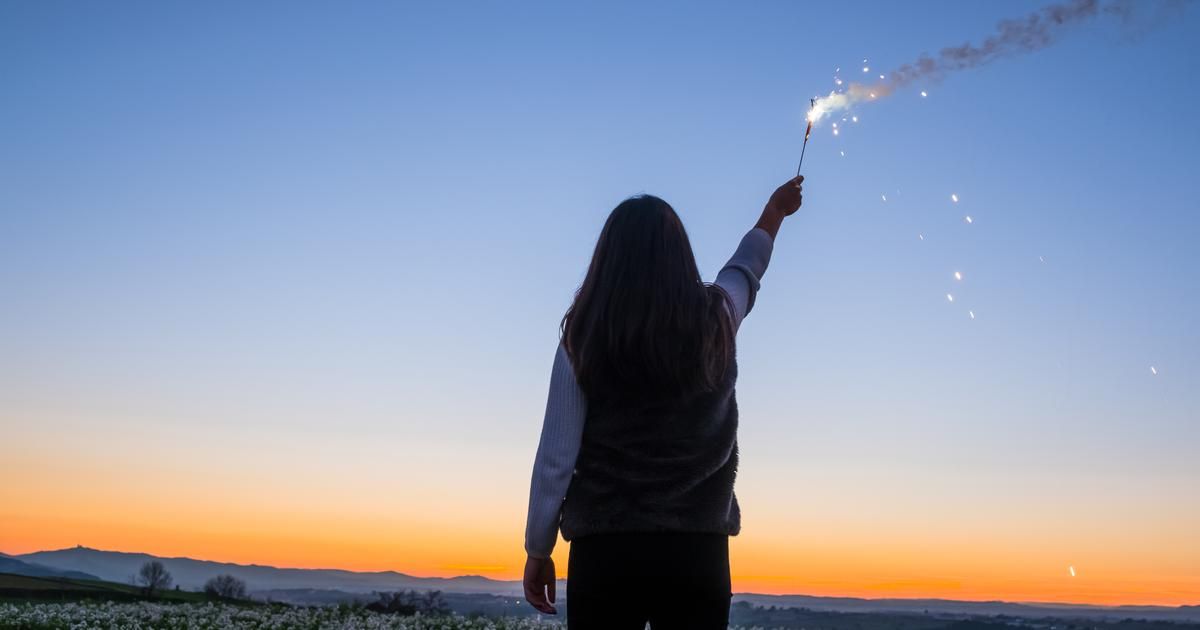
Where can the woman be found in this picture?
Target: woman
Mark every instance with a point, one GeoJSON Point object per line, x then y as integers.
{"type": "Point", "coordinates": [638, 451]}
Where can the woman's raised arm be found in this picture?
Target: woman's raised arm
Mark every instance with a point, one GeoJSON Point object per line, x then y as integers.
{"type": "Point", "coordinates": [742, 275]}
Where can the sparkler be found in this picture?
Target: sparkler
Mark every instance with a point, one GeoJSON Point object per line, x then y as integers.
{"type": "Point", "coordinates": [812, 103]}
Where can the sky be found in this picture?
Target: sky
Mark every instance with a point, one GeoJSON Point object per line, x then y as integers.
{"type": "Point", "coordinates": [281, 282]}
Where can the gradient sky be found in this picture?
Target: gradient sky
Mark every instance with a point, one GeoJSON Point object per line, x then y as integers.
{"type": "Point", "coordinates": [281, 283]}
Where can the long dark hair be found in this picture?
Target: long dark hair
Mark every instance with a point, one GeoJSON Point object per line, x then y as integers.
{"type": "Point", "coordinates": [644, 327]}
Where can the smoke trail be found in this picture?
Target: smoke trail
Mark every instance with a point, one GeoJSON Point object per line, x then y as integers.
{"type": "Point", "coordinates": [1012, 37]}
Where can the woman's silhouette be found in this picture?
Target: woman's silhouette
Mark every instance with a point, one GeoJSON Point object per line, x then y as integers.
{"type": "Point", "coordinates": [638, 452]}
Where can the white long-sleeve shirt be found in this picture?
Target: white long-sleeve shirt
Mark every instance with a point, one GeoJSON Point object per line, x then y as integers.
{"type": "Point", "coordinates": [566, 406]}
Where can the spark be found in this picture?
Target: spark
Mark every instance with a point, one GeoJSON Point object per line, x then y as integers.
{"type": "Point", "coordinates": [1012, 37]}
{"type": "Point", "coordinates": [838, 81]}
{"type": "Point", "coordinates": [1042, 258]}
{"type": "Point", "coordinates": [1072, 570]}
{"type": "Point", "coordinates": [884, 197]}
{"type": "Point", "coordinates": [843, 154]}
{"type": "Point", "coordinates": [924, 94]}
{"type": "Point", "coordinates": [949, 297]}
{"type": "Point", "coordinates": [968, 219]}
{"type": "Point", "coordinates": [1154, 370]}
{"type": "Point", "coordinates": [921, 236]}
{"type": "Point", "coordinates": [954, 197]}
{"type": "Point", "coordinates": [971, 313]}
{"type": "Point", "coordinates": [835, 132]}
{"type": "Point", "coordinates": [854, 119]}
{"type": "Point", "coordinates": [958, 275]}
{"type": "Point", "coordinates": [872, 95]}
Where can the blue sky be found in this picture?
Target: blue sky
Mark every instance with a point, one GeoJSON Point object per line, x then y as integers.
{"type": "Point", "coordinates": [327, 224]}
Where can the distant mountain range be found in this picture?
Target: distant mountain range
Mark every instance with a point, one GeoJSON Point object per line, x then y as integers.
{"type": "Point", "coordinates": [958, 607]}
{"type": "Point", "coordinates": [9, 564]}
{"type": "Point", "coordinates": [191, 574]}
{"type": "Point", "coordinates": [323, 585]}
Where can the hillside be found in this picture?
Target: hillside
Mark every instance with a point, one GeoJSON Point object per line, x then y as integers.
{"type": "Point", "coordinates": [24, 587]}
{"type": "Point", "coordinates": [192, 574]}
{"type": "Point", "coordinates": [9, 564]}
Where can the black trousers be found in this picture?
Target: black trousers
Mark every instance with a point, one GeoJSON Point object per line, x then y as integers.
{"type": "Point", "coordinates": [672, 580]}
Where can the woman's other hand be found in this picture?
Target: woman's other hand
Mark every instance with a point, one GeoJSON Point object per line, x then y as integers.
{"type": "Point", "coordinates": [539, 584]}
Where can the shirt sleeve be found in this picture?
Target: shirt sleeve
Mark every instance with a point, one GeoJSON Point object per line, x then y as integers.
{"type": "Point", "coordinates": [742, 275]}
{"type": "Point", "coordinates": [554, 464]}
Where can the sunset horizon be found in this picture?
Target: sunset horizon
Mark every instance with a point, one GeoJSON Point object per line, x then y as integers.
{"type": "Point", "coordinates": [929, 588]}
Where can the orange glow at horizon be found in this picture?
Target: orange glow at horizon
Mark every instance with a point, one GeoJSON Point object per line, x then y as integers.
{"type": "Point", "coordinates": [420, 549]}
{"type": "Point", "coordinates": [856, 536]}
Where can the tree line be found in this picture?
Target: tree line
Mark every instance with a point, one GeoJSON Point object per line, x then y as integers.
{"type": "Point", "coordinates": [153, 578]}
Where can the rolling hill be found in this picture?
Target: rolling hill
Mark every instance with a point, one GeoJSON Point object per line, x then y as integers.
{"type": "Point", "coordinates": [9, 564]}
{"type": "Point", "coordinates": [192, 574]}
{"type": "Point", "coordinates": [25, 587]}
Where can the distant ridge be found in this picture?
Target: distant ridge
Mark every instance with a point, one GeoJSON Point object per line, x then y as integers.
{"type": "Point", "coordinates": [962, 607]}
{"type": "Point", "coordinates": [191, 574]}
{"type": "Point", "coordinates": [9, 564]}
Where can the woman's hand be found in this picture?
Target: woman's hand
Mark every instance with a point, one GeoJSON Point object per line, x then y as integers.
{"type": "Point", "coordinates": [539, 582]}
{"type": "Point", "coordinates": [784, 202]}
{"type": "Point", "coordinates": [787, 198]}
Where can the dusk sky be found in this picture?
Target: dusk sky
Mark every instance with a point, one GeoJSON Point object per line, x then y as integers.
{"type": "Point", "coordinates": [281, 282]}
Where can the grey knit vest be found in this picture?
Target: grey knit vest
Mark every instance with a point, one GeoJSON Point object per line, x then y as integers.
{"type": "Point", "coordinates": [660, 469]}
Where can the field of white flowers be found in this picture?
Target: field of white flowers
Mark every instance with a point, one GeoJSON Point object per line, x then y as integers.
{"type": "Point", "coordinates": [214, 616]}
